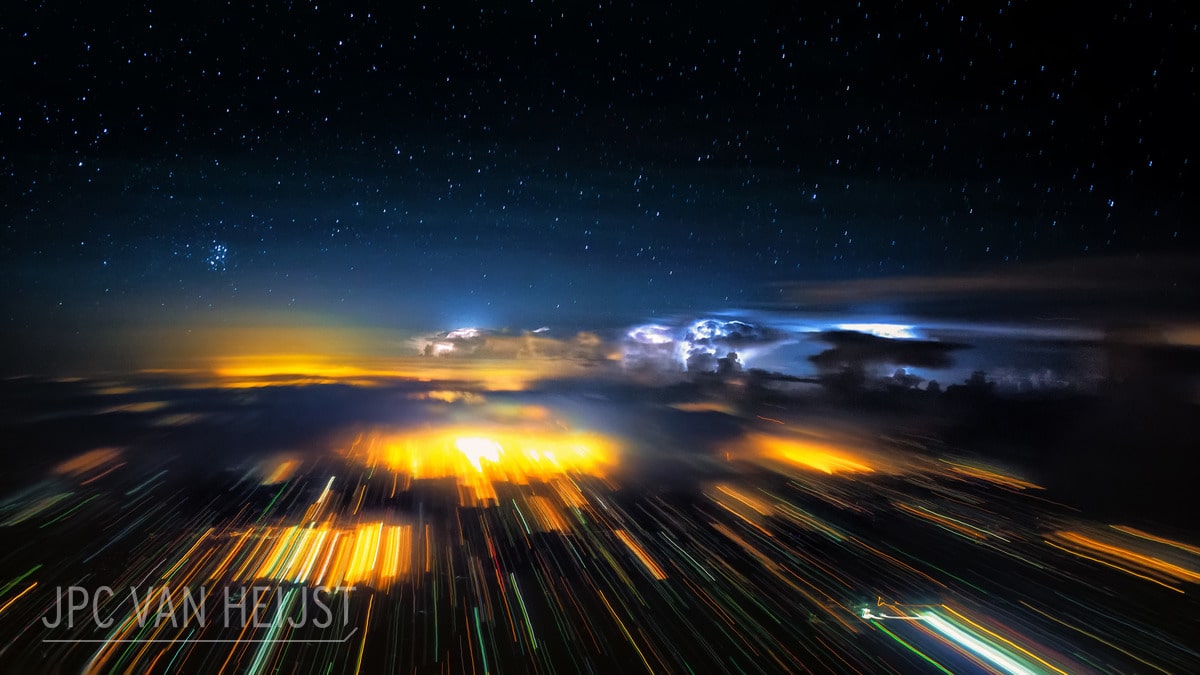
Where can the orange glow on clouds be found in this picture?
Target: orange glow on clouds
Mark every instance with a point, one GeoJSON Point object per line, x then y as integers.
{"type": "Point", "coordinates": [294, 349]}
{"type": "Point", "coordinates": [478, 457]}
{"type": "Point", "coordinates": [300, 369]}
{"type": "Point", "coordinates": [803, 452]}
{"type": "Point", "coordinates": [279, 470]}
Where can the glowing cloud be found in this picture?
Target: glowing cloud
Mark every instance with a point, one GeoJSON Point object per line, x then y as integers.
{"type": "Point", "coordinates": [483, 343]}
{"type": "Point", "coordinates": [650, 334]}
{"type": "Point", "coordinates": [477, 457]}
{"type": "Point", "coordinates": [697, 346]}
{"type": "Point", "coordinates": [893, 331]}
{"type": "Point", "coordinates": [813, 454]}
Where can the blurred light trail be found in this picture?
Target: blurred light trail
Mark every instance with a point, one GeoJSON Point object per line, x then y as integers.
{"type": "Point", "coordinates": [496, 535]}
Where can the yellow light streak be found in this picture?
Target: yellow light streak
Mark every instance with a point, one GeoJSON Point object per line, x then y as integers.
{"type": "Point", "coordinates": [479, 457]}
{"type": "Point", "coordinates": [640, 553]}
{"type": "Point", "coordinates": [807, 453]}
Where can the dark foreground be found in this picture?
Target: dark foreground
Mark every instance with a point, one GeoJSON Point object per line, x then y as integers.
{"type": "Point", "coordinates": [548, 531]}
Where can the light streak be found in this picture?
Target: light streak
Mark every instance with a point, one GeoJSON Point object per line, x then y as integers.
{"type": "Point", "coordinates": [648, 562]}
{"type": "Point", "coordinates": [1150, 567]}
{"type": "Point", "coordinates": [325, 492]}
{"type": "Point", "coordinates": [976, 645]}
{"type": "Point", "coordinates": [16, 597]}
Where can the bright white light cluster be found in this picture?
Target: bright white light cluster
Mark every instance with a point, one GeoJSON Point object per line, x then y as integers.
{"type": "Point", "coordinates": [696, 346]}
{"type": "Point", "coordinates": [448, 343]}
{"type": "Point", "coordinates": [893, 331]}
{"type": "Point", "coordinates": [651, 334]}
{"type": "Point", "coordinates": [462, 334]}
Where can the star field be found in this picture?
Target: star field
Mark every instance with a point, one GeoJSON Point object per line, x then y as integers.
{"type": "Point", "coordinates": [550, 161]}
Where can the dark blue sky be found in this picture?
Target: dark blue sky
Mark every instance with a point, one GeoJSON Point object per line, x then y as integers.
{"type": "Point", "coordinates": [418, 169]}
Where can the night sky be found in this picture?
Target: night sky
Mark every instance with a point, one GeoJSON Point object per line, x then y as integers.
{"type": "Point", "coordinates": [583, 337]}
{"type": "Point", "coordinates": [360, 176]}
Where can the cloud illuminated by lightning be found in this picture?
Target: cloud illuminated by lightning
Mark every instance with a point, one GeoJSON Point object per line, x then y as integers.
{"type": "Point", "coordinates": [893, 331]}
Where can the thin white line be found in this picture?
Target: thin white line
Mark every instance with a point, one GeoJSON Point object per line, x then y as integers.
{"type": "Point", "coordinates": [234, 640]}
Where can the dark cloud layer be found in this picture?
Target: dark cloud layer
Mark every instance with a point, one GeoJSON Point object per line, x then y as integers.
{"type": "Point", "coordinates": [850, 348]}
{"type": "Point", "coordinates": [1148, 287]}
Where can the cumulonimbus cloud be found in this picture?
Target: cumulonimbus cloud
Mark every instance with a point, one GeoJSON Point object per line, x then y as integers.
{"type": "Point", "coordinates": [700, 345]}
{"type": "Point", "coordinates": [482, 343]}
